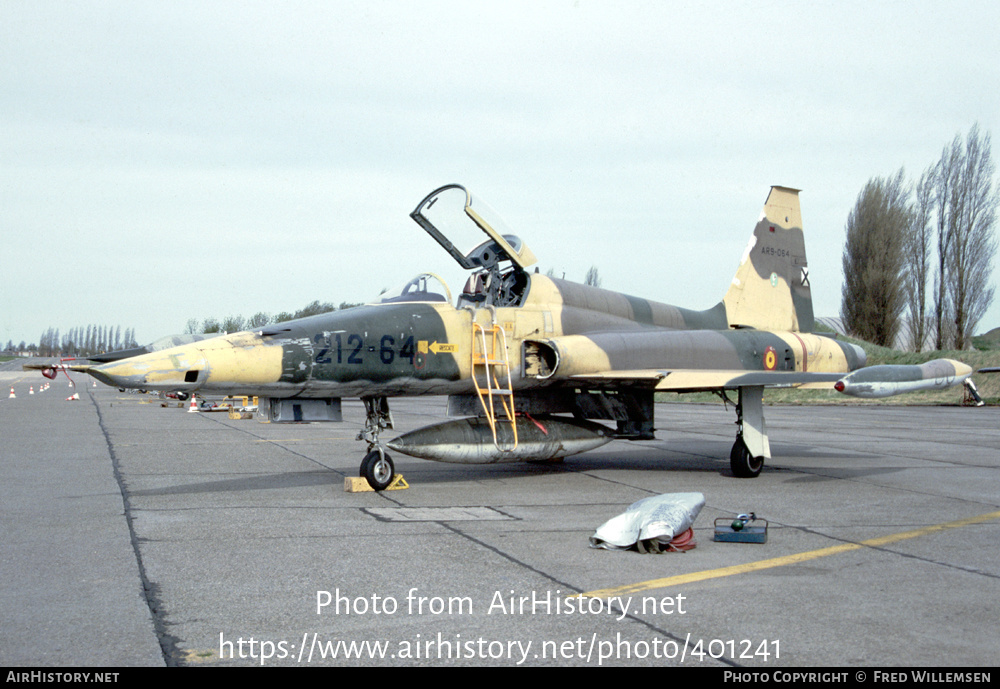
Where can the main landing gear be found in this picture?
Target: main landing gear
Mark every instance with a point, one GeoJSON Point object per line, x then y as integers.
{"type": "Point", "coordinates": [751, 447]}
{"type": "Point", "coordinates": [742, 462]}
{"type": "Point", "coordinates": [377, 467]}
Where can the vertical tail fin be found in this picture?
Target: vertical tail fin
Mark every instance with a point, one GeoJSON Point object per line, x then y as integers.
{"type": "Point", "coordinates": [771, 288]}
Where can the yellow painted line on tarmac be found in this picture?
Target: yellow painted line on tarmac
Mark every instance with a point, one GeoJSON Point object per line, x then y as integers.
{"type": "Point", "coordinates": [785, 560]}
{"type": "Point", "coordinates": [192, 655]}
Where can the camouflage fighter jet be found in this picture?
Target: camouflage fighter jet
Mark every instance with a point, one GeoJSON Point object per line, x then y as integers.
{"type": "Point", "coordinates": [532, 363]}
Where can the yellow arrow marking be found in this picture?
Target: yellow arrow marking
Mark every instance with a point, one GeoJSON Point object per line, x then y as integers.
{"type": "Point", "coordinates": [781, 561]}
{"type": "Point", "coordinates": [439, 347]}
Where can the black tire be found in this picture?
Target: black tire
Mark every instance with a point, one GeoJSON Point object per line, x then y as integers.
{"type": "Point", "coordinates": [743, 464]}
{"type": "Point", "coordinates": [378, 470]}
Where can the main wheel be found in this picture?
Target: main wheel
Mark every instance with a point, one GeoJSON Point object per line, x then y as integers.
{"type": "Point", "coordinates": [378, 470]}
{"type": "Point", "coordinates": [743, 464]}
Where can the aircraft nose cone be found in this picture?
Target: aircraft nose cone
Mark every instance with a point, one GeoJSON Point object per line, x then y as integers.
{"type": "Point", "coordinates": [180, 370]}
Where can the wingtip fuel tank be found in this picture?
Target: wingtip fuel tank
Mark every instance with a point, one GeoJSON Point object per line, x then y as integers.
{"type": "Point", "coordinates": [887, 380]}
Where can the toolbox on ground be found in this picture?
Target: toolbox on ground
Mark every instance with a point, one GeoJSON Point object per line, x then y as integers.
{"type": "Point", "coordinates": [746, 528]}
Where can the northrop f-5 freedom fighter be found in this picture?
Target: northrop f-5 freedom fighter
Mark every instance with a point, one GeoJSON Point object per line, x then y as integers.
{"type": "Point", "coordinates": [531, 363]}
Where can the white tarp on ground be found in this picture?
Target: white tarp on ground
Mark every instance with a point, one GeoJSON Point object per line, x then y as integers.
{"type": "Point", "coordinates": [661, 517]}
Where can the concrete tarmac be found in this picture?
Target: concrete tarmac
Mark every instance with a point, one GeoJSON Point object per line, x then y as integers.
{"type": "Point", "coordinates": [137, 535]}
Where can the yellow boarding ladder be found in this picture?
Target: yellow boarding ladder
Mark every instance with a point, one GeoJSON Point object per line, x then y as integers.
{"type": "Point", "coordinates": [491, 364]}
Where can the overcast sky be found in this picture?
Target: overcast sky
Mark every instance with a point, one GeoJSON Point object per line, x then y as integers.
{"type": "Point", "coordinates": [162, 161]}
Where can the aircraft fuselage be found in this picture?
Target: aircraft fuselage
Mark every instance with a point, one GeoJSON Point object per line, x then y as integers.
{"type": "Point", "coordinates": [425, 348]}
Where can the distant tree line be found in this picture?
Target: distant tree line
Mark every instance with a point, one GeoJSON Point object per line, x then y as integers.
{"type": "Point", "coordinates": [924, 249]}
{"type": "Point", "coordinates": [97, 339]}
{"type": "Point", "coordinates": [234, 324]}
{"type": "Point", "coordinates": [592, 278]}
{"type": "Point", "coordinates": [82, 341]}
{"type": "Point", "coordinates": [20, 348]}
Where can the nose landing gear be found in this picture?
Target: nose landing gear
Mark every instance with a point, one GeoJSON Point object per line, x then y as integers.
{"type": "Point", "coordinates": [376, 467]}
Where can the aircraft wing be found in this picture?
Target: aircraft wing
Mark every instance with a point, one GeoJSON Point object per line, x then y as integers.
{"type": "Point", "coordinates": [869, 382]}
{"type": "Point", "coordinates": [698, 380]}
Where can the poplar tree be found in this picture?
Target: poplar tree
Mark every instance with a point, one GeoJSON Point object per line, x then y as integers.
{"type": "Point", "coordinates": [873, 296]}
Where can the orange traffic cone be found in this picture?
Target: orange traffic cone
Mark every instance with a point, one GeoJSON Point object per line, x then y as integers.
{"type": "Point", "coordinates": [12, 395]}
{"type": "Point", "coordinates": [193, 407]}
{"type": "Point", "coordinates": [74, 396]}
{"type": "Point", "coordinates": [31, 390]}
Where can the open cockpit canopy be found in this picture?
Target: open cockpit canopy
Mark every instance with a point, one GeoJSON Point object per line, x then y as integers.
{"type": "Point", "coordinates": [445, 215]}
{"type": "Point", "coordinates": [457, 221]}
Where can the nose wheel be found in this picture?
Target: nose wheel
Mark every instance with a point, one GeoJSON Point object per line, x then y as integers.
{"type": "Point", "coordinates": [377, 468]}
